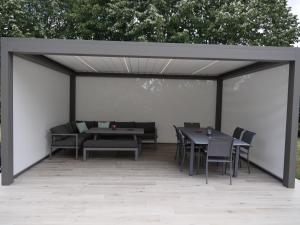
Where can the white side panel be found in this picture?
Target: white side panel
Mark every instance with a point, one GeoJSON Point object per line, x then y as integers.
{"type": "Point", "coordinates": [258, 102]}
{"type": "Point", "coordinates": [165, 102]}
{"type": "Point", "coordinates": [41, 101]}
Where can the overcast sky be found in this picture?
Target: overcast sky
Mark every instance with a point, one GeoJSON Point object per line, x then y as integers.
{"type": "Point", "coordinates": [295, 4]}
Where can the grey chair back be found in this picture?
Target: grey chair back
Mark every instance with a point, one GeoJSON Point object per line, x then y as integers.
{"type": "Point", "coordinates": [181, 139]}
{"type": "Point", "coordinates": [220, 147]}
{"type": "Point", "coordinates": [177, 133]}
{"type": "Point", "coordinates": [248, 138]}
{"type": "Point", "coordinates": [191, 125]}
{"type": "Point", "coordinates": [237, 132]}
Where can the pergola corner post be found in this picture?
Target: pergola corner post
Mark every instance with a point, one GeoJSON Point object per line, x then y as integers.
{"type": "Point", "coordinates": [219, 97]}
{"type": "Point", "coordinates": [292, 123]}
{"type": "Point", "coordinates": [6, 114]}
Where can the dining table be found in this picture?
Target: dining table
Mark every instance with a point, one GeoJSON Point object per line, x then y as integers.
{"type": "Point", "coordinates": [199, 136]}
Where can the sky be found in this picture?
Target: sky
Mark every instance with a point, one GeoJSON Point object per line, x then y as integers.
{"type": "Point", "coordinates": [295, 4]}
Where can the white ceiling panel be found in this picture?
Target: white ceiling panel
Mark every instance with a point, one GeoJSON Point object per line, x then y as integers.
{"type": "Point", "coordinates": [224, 66]}
{"type": "Point", "coordinates": [147, 65]}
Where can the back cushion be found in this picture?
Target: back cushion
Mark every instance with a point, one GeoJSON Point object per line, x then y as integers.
{"type": "Point", "coordinates": [125, 124]}
{"type": "Point", "coordinates": [81, 127]}
{"type": "Point", "coordinates": [89, 124]}
{"type": "Point", "coordinates": [103, 124]}
{"type": "Point", "coordinates": [61, 129]}
{"type": "Point", "coordinates": [149, 127]}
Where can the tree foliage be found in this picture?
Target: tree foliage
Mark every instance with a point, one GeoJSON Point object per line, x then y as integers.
{"type": "Point", "coordinates": [246, 22]}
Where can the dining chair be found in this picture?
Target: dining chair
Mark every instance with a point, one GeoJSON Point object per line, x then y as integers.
{"type": "Point", "coordinates": [177, 142]}
{"type": "Point", "coordinates": [191, 125]}
{"type": "Point", "coordinates": [219, 149]}
{"type": "Point", "coordinates": [245, 150]}
{"type": "Point", "coordinates": [185, 150]}
{"type": "Point", "coordinates": [237, 132]}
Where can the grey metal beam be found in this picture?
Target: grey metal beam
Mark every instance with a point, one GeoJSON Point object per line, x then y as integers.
{"type": "Point", "coordinates": [154, 76]}
{"type": "Point", "coordinates": [219, 96]}
{"type": "Point", "coordinates": [256, 67]}
{"type": "Point", "coordinates": [6, 114]}
{"type": "Point", "coordinates": [72, 98]}
{"type": "Point", "coordinates": [292, 124]}
{"type": "Point", "coordinates": [152, 50]}
{"type": "Point", "coordinates": [49, 63]}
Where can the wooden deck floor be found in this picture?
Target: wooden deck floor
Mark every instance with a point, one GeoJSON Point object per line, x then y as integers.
{"type": "Point", "coordinates": [116, 190]}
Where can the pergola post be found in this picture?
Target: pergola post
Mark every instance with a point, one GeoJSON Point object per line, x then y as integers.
{"type": "Point", "coordinates": [292, 124]}
{"type": "Point", "coordinates": [219, 97]}
{"type": "Point", "coordinates": [72, 97]}
{"type": "Point", "coordinates": [6, 114]}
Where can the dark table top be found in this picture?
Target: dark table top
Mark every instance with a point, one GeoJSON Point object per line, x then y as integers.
{"type": "Point", "coordinates": [119, 131]}
{"type": "Point", "coordinates": [199, 136]}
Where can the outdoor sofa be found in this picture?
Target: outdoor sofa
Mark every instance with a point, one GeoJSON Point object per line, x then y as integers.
{"type": "Point", "coordinates": [67, 135]}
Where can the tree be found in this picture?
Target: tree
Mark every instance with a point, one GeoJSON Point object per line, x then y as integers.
{"type": "Point", "coordinates": [246, 22]}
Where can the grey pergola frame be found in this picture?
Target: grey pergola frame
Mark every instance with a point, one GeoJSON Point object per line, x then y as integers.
{"type": "Point", "coordinates": [33, 49]}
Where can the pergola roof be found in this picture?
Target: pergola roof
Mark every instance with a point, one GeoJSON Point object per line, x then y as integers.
{"type": "Point", "coordinates": [156, 66]}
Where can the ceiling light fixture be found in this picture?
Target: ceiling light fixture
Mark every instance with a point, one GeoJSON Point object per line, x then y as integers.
{"type": "Point", "coordinates": [205, 67]}
{"type": "Point", "coordinates": [85, 63]}
{"type": "Point", "coordinates": [128, 71]}
{"type": "Point", "coordinates": [165, 67]}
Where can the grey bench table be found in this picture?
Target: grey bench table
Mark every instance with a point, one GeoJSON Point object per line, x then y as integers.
{"type": "Point", "coordinates": [110, 145]}
{"type": "Point", "coordinates": [198, 137]}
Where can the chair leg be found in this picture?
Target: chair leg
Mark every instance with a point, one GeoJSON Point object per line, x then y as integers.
{"type": "Point", "coordinates": [136, 153]}
{"type": "Point", "coordinates": [230, 172]}
{"type": "Point", "coordinates": [50, 153]}
{"type": "Point", "coordinates": [206, 172]}
{"type": "Point", "coordinates": [198, 163]}
{"type": "Point", "coordinates": [176, 154]}
{"type": "Point", "coordinates": [76, 153]}
{"type": "Point", "coordinates": [182, 162]}
{"type": "Point", "coordinates": [223, 168]}
{"type": "Point", "coordinates": [248, 164]}
{"type": "Point", "coordinates": [84, 154]}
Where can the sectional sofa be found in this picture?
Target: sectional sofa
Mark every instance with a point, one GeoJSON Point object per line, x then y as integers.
{"type": "Point", "coordinates": [67, 135]}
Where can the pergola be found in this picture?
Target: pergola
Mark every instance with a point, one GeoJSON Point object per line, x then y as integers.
{"type": "Point", "coordinates": [254, 87]}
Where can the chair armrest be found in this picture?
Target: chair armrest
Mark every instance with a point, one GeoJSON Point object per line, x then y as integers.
{"type": "Point", "coordinates": [70, 134]}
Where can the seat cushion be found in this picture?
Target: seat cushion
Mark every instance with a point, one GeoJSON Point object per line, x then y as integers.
{"type": "Point", "coordinates": [110, 144]}
{"type": "Point", "coordinates": [149, 127]}
{"type": "Point", "coordinates": [147, 136]}
{"type": "Point", "coordinates": [69, 142]}
{"type": "Point", "coordinates": [86, 136]}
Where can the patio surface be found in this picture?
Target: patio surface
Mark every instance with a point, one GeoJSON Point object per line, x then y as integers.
{"type": "Point", "coordinates": [115, 189]}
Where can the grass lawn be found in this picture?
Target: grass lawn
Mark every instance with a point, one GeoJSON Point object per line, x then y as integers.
{"type": "Point", "coordinates": [298, 160]}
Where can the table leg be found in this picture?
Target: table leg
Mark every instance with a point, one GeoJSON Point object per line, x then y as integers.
{"type": "Point", "coordinates": [95, 136]}
{"type": "Point", "coordinates": [191, 172]}
{"type": "Point", "coordinates": [236, 163]}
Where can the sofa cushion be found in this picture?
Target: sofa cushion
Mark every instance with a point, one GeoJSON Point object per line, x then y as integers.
{"type": "Point", "coordinates": [89, 124]}
{"type": "Point", "coordinates": [125, 124]}
{"type": "Point", "coordinates": [81, 127]}
{"type": "Point", "coordinates": [86, 136]}
{"type": "Point", "coordinates": [61, 129]}
{"type": "Point", "coordinates": [147, 136]}
{"type": "Point", "coordinates": [74, 127]}
{"type": "Point", "coordinates": [69, 142]}
{"type": "Point", "coordinates": [110, 144]}
{"type": "Point", "coordinates": [70, 128]}
{"type": "Point", "coordinates": [149, 127]}
{"type": "Point", "coordinates": [103, 124]}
